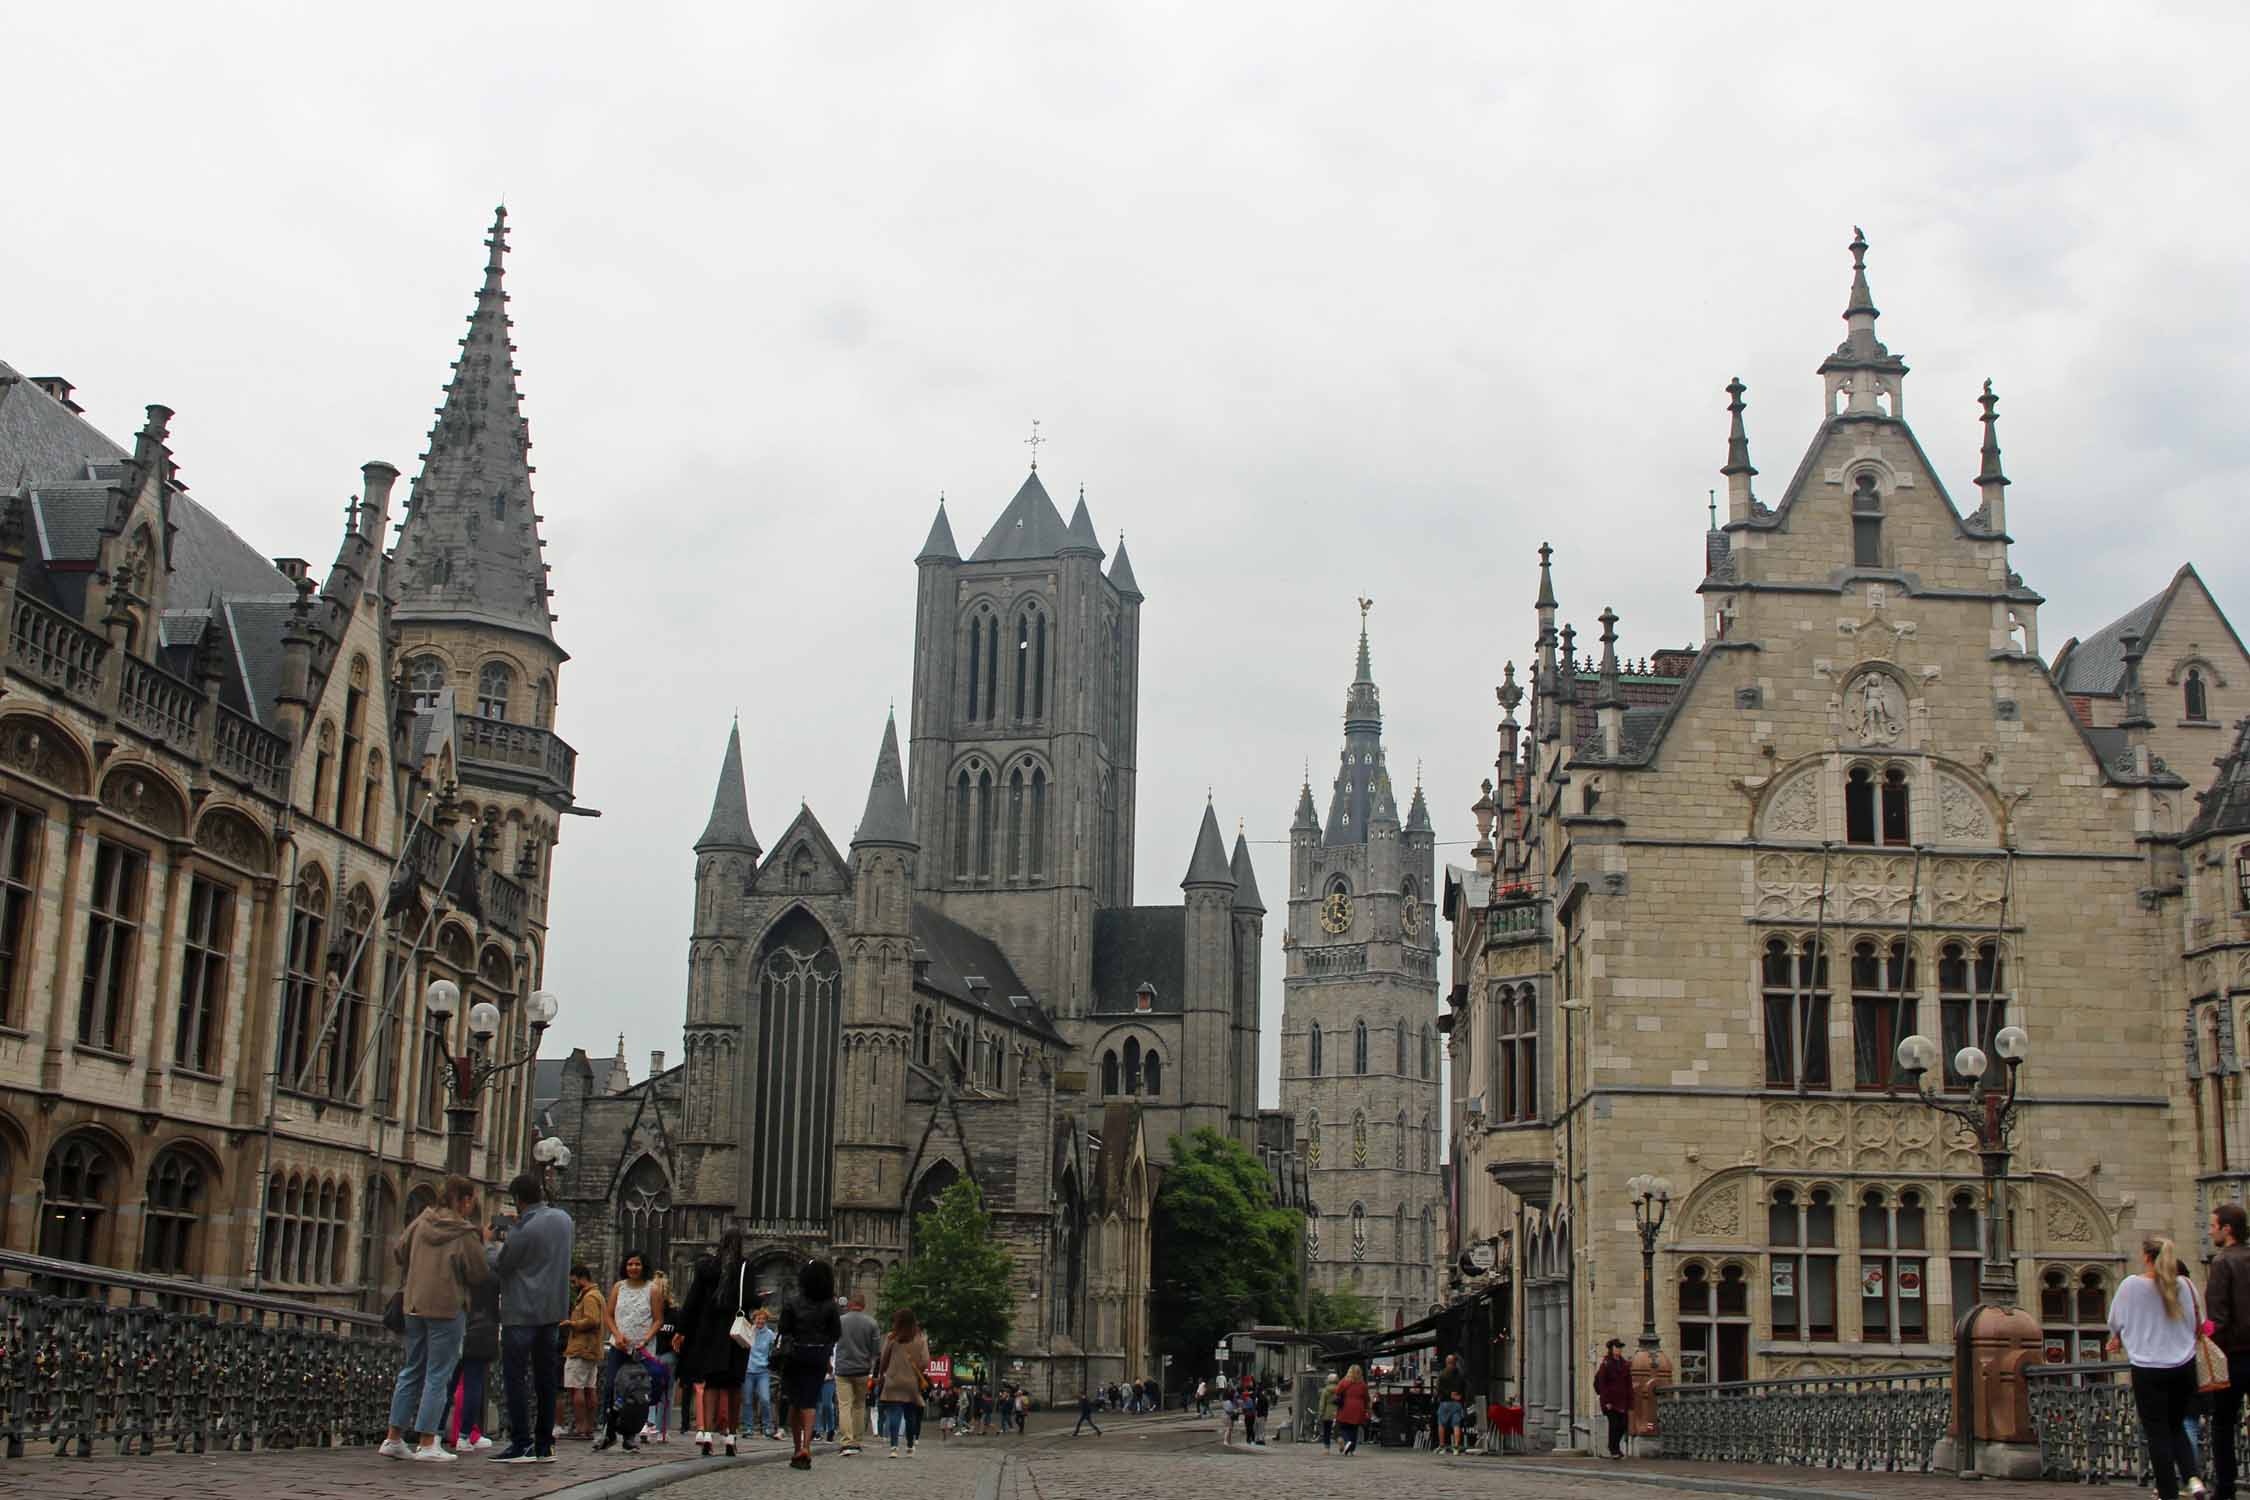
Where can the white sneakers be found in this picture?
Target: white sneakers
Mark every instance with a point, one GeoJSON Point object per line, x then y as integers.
{"type": "Point", "coordinates": [432, 1453]}
{"type": "Point", "coordinates": [479, 1445]}
{"type": "Point", "coordinates": [395, 1448]}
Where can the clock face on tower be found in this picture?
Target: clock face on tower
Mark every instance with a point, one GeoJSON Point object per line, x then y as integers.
{"type": "Point", "coordinates": [1336, 911]}
{"type": "Point", "coordinates": [1410, 915]}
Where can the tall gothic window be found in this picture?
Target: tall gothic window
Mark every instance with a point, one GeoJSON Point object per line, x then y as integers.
{"type": "Point", "coordinates": [1023, 666]}
{"type": "Point", "coordinates": [1039, 821]}
{"type": "Point", "coordinates": [1796, 1003]}
{"type": "Point", "coordinates": [113, 932]}
{"type": "Point", "coordinates": [1517, 1066]}
{"type": "Point", "coordinates": [356, 961]}
{"type": "Point", "coordinates": [1883, 1010]}
{"type": "Point", "coordinates": [1359, 1047]}
{"type": "Point", "coordinates": [1132, 1066]}
{"type": "Point", "coordinates": [922, 1030]}
{"type": "Point", "coordinates": [799, 1026]}
{"type": "Point", "coordinates": [1859, 806]}
{"type": "Point", "coordinates": [301, 994]}
{"type": "Point", "coordinates": [991, 669]}
{"type": "Point", "coordinates": [495, 686]}
{"type": "Point", "coordinates": [1972, 1006]}
{"type": "Point", "coordinates": [1152, 1073]}
{"type": "Point", "coordinates": [985, 818]}
{"type": "Point", "coordinates": [172, 1215]}
{"type": "Point", "coordinates": [644, 1215]}
{"type": "Point", "coordinates": [347, 765]}
{"type": "Point", "coordinates": [1015, 823]}
{"type": "Point", "coordinates": [1398, 1146]}
{"type": "Point", "coordinates": [976, 666]}
{"type": "Point", "coordinates": [1893, 1268]}
{"type": "Point", "coordinates": [963, 794]}
{"type": "Point", "coordinates": [1429, 1051]}
{"type": "Point", "coordinates": [1867, 523]}
{"type": "Point", "coordinates": [19, 894]}
{"type": "Point", "coordinates": [77, 1194]}
{"type": "Point", "coordinates": [1802, 1237]}
{"type": "Point", "coordinates": [1429, 1145]}
{"type": "Point", "coordinates": [204, 960]}
{"type": "Point", "coordinates": [1401, 1049]}
{"type": "Point", "coordinates": [1039, 666]}
{"type": "Point", "coordinates": [1714, 1325]}
{"type": "Point", "coordinates": [1898, 814]}
{"type": "Point", "coordinates": [1110, 1076]}
{"type": "Point", "coordinates": [1312, 1050]}
{"type": "Point", "coordinates": [2197, 701]}
{"type": "Point", "coordinates": [1359, 1231]}
{"type": "Point", "coordinates": [425, 683]}
{"type": "Point", "coordinates": [1359, 1140]}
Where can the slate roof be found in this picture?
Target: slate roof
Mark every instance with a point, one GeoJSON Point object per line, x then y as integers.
{"type": "Point", "coordinates": [729, 827]}
{"type": "Point", "coordinates": [66, 519]}
{"type": "Point", "coordinates": [938, 546]}
{"type": "Point", "coordinates": [1029, 527]}
{"type": "Point", "coordinates": [460, 560]}
{"type": "Point", "coordinates": [1209, 865]}
{"type": "Point", "coordinates": [1121, 574]}
{"type": "Point", "coordinates": [886, 820]}
{"type": "Point", "coordinates": [2226, 806]}
{"type": "Point", "coordinates": [42, 439]}
{"type": "Point", "coordinates": [2095, 666]}
{"type": "Point", "coordinates": [1246, 897]}
{"type": "Point", "coordinates": [210, 557]}
{"type": "Point", "coordinates": [1082, 536]}
{"type": "Point", "coordinates": [1466, 888]}
{"type": "Point", "coordinates": [956, 953]}
{"type": "Point", "coordinates": [1136, 945]}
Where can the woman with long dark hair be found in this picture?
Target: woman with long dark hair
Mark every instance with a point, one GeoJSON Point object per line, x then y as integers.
{"type": "Point", "coordinates": [899, 1372]}
{"type": "Point", "coordinates": [709, 1356]}
{"type": "Point", "coordinates": [635, 1312]}
{"type": "Point", "coordinates": [810, 1326]}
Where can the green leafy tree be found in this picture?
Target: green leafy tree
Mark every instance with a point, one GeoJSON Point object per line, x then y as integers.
{"type": "Point", "coordinates": [958, 1279]}
{"type": "Point", "coordinates": [1226, 1255]}
{"type": "Point", "coordinates": [1337, 1312]}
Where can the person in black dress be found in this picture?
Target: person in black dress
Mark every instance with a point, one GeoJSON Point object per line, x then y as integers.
{"type": "Point", "coordinates": [810, 1326]}
{"type": "Point", "coordinates": [709, 1356]}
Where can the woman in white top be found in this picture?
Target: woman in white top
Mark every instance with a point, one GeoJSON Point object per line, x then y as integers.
{"type": "Point", "coordinates": [2154, 1318]}
{"type": "Point", "coordinates": [635, 1312]}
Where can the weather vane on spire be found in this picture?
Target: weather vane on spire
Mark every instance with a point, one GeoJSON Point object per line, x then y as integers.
{"type": "Point", "coordinates": [1033, 443]}
{"type": "Point", "coordinates": [1365, 604]}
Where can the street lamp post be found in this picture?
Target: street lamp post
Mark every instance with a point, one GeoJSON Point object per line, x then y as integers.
{"type": "Point", "coordinates": [1995, 1323]}
{"type": "Point", "coordinates": [1652, 1200]}
{"type": "Point", "coordinates": [469, 1073]}
{"type": "Point", "coordinates": [553, 1157]}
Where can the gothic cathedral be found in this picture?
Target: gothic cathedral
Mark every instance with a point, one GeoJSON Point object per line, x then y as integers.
{"type": "Point", "coordinates": [964, 990]}
{"type": "Point", "coordinates": [1359, 1054]}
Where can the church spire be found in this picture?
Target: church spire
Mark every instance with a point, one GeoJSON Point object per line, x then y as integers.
{"type": "Point", "coordinates": [1862, 370]}
{"type": "Point", "coordinates": [1992, 484]}
{"type": "Point", "coordinates": [1738, 471]}
{"type": "Point", "coordinates": [1121, 572]}
{"type": "Point", "coordinates": [469, 548]}
{"type": "Point", "coordinates": [1246, 897]}
{"type": "Point", "coordinates": [1209, 866]}
{"type": "Point", "coordinates": [1359, 780]}
{"type": "Point", "coordinates": [886, 820]}
{"type": "Point", "coordinates": [938, 546]}
{"type": "Point", "coordinates": [729, 827]}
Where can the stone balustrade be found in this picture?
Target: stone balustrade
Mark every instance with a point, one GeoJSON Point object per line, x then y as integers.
{"type": "Point", "coordinates": [51, 646]}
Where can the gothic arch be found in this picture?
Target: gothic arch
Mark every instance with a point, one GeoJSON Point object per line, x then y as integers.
{"type": "Point", "coordinates": [44, 748]}
{"type": "Point", "coordinates": [1793, 807]}
{"type": "Point", "coordinates": [225, 832]}
{"type": "Point", "coordinates": [143, 794]}
{"type": "Point", "coordinates": [1713, 1211]}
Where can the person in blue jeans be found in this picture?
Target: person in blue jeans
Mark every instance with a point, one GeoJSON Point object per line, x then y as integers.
{"type": "Point", "coordinates": [824, 1416]}
{"type": "Point", "coordinates": [441, 1255]}
{"type": "Point", "coordinates": [533, 1265]}
{"type": "Point", "coordinates": [757, 1391]}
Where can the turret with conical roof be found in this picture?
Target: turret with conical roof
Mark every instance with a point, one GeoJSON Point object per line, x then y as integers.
{"type": "Point", "coordinates": [729, 827]}
{"type": "Point", "coordinates": [938, 547]}
{"type": "Point", "coordinates": [1121, 573]}
{"type": "Point", "coordinates": [1080, 536]}
{"type": "Point", "coordinates": [887, 820]}
{"type": "Point", "coordinates": [1209, 865]}
{"type": "Point", "coordinates": [1246, 897]}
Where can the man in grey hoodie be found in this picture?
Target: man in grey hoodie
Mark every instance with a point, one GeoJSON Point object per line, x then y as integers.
{"type": "Point", "coordinates": [855, 1359]}
{"type": "Point", "coordinates": [533, 1265]}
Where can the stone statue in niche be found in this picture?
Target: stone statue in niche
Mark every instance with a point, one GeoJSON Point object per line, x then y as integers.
{"type": "Point", "coordinates": [1875, 709]}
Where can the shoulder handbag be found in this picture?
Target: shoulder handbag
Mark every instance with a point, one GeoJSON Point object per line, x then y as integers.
{"type": "Point", "coordinates": [2211, 1372]}
{"type": "Point", "coordinates": [784, 1342]}
{"type": "Point", "coordinates": [741, 1330]}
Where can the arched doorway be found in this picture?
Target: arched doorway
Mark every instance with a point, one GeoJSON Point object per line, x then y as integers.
{"type": "Point", "coordinates": [926, 1194]}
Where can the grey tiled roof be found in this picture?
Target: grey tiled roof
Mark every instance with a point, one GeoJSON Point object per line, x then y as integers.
{"type": "Point", "coordinates": [729, 827]}
{"type": "Point", "coordinates": [1137, 945]}
{"type": "Point", "coordinates": [1209, 866]}
{"type": "Point", "coordinates": [256, 626]}
{"type": "Point", "coordinates": [67, 518]}
{"type": "Point", "coordinates": [956, 953]}
{"type": "Point", "coordinates": [886, 820]}
{"type": "Point", "coordinates": [42, 439]}
{"type": "Point", "coordinates": [2096, 665]}
{"type": "Point", "coordinates": [1029, 527]}
{"type": "Point", "coordinates": [2226, 806]}
{"type": "Point", "coordinates": [1246, 897]}
{"type": "Point", "coordinates": [1121, 574]}
{"type": "Point", "coordinates": [208, 558]}
{"type": "Point", "coordinates": [1082, 536]}
{"type": "Point", "coordinates": [939, 544]}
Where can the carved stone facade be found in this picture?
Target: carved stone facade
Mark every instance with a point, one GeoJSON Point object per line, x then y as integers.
{"type": "Point", "coordinates": [1863, 806]}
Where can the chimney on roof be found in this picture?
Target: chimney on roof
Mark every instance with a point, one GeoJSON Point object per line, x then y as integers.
{"type": "Point", "coordinates": [296, 568]}
{"type": "Point", "coordinates": [655, 1061]}
{"type": "Point", "coordinates": [59, 388]}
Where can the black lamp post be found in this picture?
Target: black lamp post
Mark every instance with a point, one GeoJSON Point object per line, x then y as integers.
{"type": "Point", "coordinates": [468, 1074]}
{"type": "Point", "coordinates": [1652, 1200]}
{"type": "Point", "coordinates": [1987, 1113]}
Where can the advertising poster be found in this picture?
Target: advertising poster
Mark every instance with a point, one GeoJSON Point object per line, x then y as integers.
{"type": "Point", "coordinates": [1785, 1278]}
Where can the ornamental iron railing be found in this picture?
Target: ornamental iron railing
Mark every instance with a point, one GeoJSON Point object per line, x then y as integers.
{"type": "Point", "coordinates": [1882, 1422]}
{"type": "Point", "coordinates": [2088, 1430]}
{"type": "Point", "coordinates": [153, 1364]}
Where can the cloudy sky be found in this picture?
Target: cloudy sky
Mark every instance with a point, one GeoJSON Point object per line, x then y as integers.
{"type": "Point", "coordinates": [1314, 300]}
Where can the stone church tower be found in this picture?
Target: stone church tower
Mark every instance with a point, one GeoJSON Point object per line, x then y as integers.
{"type": "Point", "coordinates": [1359, 1039]}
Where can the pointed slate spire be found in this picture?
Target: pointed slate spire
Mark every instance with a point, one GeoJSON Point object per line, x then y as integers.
{"type": "Point", "coordinates": [1308, 817]}
{"type": "Point", "coordinates": [1353, 805]}
{"type": "Point", "coordinates": [938, 546]}
{"type": "Point", "coordinates": [886, 820]}
{"type": "Point", "coordinates": [1121, 572]}
{"type": "Point", "coordinates": [1418, 812]}
{"type": "Point", "coordinates": [1246, 897]}
{"type": "Point", "coordinates": [1082, 537]}
{"type": "Point", "coordinates": [1029, 527]}
{"type": "Point", "coordinates": [1209, 866]}
{"type": "Point", "coordinates": [1385, 813]}
{"type": "Point", "coordinates": [729, 827]}
{"type": "Point", "coordinates": [469, 548]}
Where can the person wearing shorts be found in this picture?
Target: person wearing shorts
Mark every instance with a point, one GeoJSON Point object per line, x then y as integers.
{"type": "Point", "coordinates": [582, 1350]}
{"type": "Point", "coordinates": [1452, 1413]}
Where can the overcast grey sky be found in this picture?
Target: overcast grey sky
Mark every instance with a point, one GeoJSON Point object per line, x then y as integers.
{"type": "Point", "coordinates": [1314, 300]}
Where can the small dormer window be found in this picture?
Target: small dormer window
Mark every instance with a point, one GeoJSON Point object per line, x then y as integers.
{"type": "Point", "coordinates": [1867, 523]}
{"type": "Point", "coordinates": [2197, 698]}
{"type": "Point", "coordinates": [1144, 998]}
{"type": "Point", "coordinates": [2242, 878]}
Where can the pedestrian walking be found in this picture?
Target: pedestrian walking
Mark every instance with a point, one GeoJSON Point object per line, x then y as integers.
{"type": "Point", "coordinates": [1351, 1409]}
{"type": "Point", "coordinates": [1023, 1412]}
{"type": "Point", "coordinates": [856, 1346]}
{"type": "Point", "coordinates": [1328, 1415]}
{"type": "Point", "coordinates": [824, 1416]}
{"type": "Point", "coordinates": [718, 1294]}
{"type": "Point", "coordinates": [900, 1370]}
{"type": "Point", "coordinates": [441, 1255]}
{"type": "Point", "coordinates": [2153, 1319]}
{"type": "Point", "coordinates": [1203, 1398]}
{"type": "Point", "coordinates": [1086, 1415]}
{"type": "Point", "coordinates": [633, 1314]}
{"type": "Point", "coordinates": [759, 1417]}
{"type": "Point", "coordinates": [480, 1346]}
{"type": "Point", "coordinates": [810, 1327]}
{"type": "Point", "coordinates": [581, 1328]}
{"type": "Point", "coordinates": [1233, 1406]}
{"type": "Point", "coordinates": [531, 1270]}
{"type": "Point", "coordinates": [2227, 1299]}
{"type": "Point", "coordinates": [1613, 1388]}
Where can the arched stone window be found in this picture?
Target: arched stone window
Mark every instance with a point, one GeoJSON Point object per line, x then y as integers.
{"type": "Point", "coordinates": [113, 944]}
{"type": "Point", "coordinates": [1398, 1144]}
{"type": "Point", "coordinates": [1429, 1145]}
{"type": "Point", "coordinates": [19, 896]}
{"type": "Point", "coordinates": [1972, 1006]}
{"type": "Point", "coordinates": [172, 1216]}
{"type": "Point", "coordinates": [1312, 1050]}
{"type": "Point", "coordinates": [644, 1215]}
{"type": "Point", "coordinates": [1867, 522]}
{"type": "Point", "coordinates": [2073, 1315]}
{"type": "Point", "coordinates": [922, 1030]}
{"type": "Point", "coordinates": [1796, 1005]}
{"type": "Point", "coordinates": [1801, 1229]}
{"type": "Point", "coordinates": [985, 818]}
{"type": "Point", "coordinates": [206, 958]}
{"type": "Point", "coordinates": [976, 666]}
{"type": "Point", "coordinates": [964, 795]}
{"type": "Point", "coordinates": [1714, 1324]}
{"type": "Point", "coordinates": [78, 1193]}
{"type": "Point", "coordinates": [799, 1031]}
{"type": "Point", "coordinates": [1359, 1047]}
{"type": "Point", "coordinates": [1964, 1243]}
{"type": "Point", "coordinates": [496, 684]}
{"type": "Point", "coordinates": [301, 1000]}
{"type": "Point", "coordinates": [1038, 853]}
{"type": "Point", "coordinates": [2195, 699]}
{"type": "Point", "coordinates": [1015, 823]}
{"type": "Point", "coordinates": [425, 683]}
{"type": "Point", "coordinates": [1429, 1051]}
{"type": "Point", "coordinates": [1401, 1036]}
{"type": "Point", "coordinates": [1893, 1266]}
{"type": "Point", "coordinates": [1152, 1073]}
{"type": "Point", "coordinates": [1883, 1010]}
{"type": "Point", "coordinates": [1132, 1066]}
